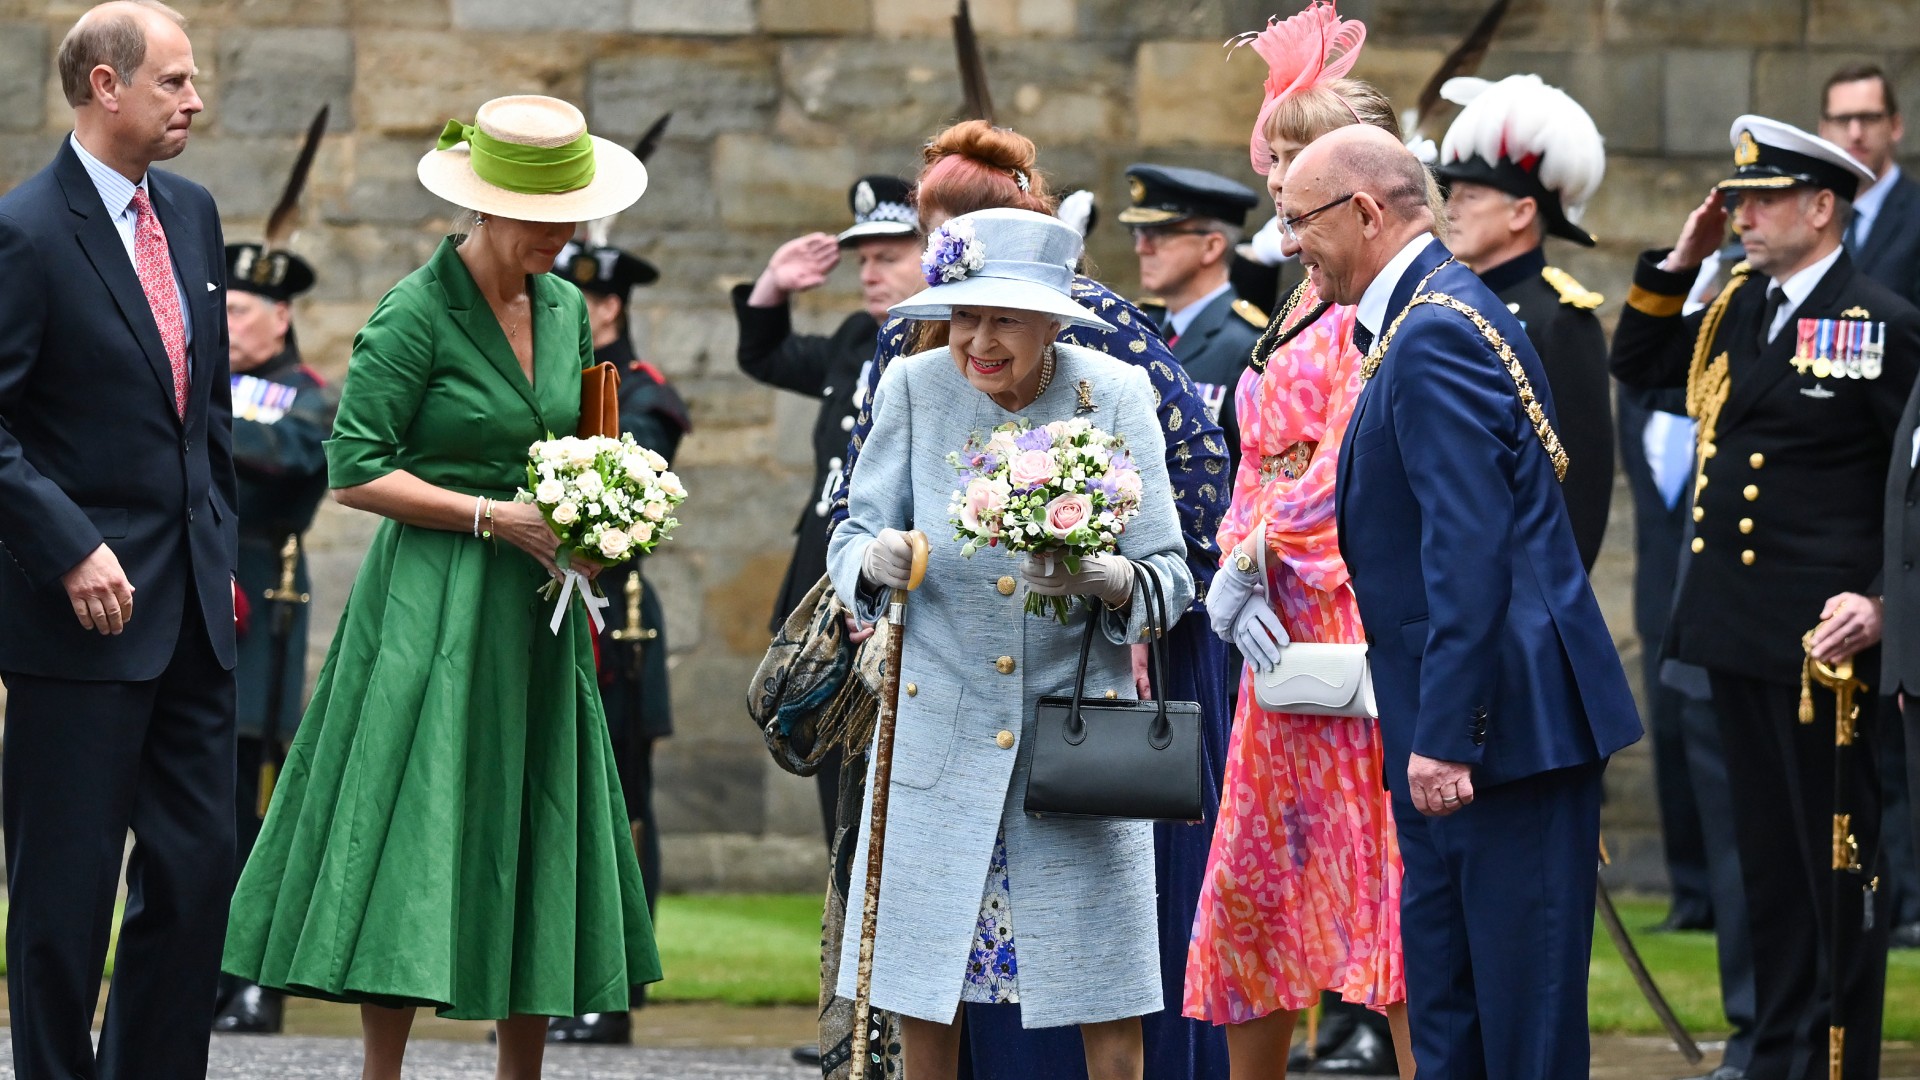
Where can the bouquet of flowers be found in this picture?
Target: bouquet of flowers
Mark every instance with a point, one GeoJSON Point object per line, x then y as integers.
{"type": "Point", "coordinates": [1063, 491]}
{"type": "Point", "coordinates": [607, 500]}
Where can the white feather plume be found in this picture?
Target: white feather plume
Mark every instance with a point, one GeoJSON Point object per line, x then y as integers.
{"type": "Point", "coordinates": [1519, 116]}
{"type": "Point", "coordinates": [1077, 210]}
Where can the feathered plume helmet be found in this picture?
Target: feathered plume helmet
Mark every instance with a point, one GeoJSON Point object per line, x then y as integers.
{"type": "Point", "coordinates": [1310, 49]}
{"type": "Point", "coordinates": [1527, 139]}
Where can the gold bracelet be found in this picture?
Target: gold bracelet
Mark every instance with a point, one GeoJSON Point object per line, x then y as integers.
{"type": "Point", "coordinates": [487, 533]}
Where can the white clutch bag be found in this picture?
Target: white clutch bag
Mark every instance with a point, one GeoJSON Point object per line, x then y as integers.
{"type": "Point", "coordinates": [1315, 678]}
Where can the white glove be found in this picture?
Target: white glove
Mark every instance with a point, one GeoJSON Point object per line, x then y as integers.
{"type": "Point", "coordinates": [888, 561]}
{"type": "Point", "coordinates": [1259, 634]}
{"type": "Point", "coordinates": [1109, 577]}
{"type": "Point", "coordinates": [1230, 591]}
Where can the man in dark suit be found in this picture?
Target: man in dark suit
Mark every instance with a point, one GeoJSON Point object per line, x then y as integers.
{"type": "Point", "coordinates": [1520, 162]}
{"type": "Point", "coordinates": [1186, 224]}
{"type": "Point", "coordinates": [1501, 695]}
{"type": "Point", "coordinates": [1796, 374]}
{"type": "Point", "coordinates": [1900, 583]}
{"type": "Point", "coordinates": [1859, 113]}
{"type": "Point", "coordinates": [116, 486]}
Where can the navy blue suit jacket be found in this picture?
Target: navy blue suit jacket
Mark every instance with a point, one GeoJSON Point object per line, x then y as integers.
{"type": "Point", "coordinates": [1488, 647]}
{"type": "Point", "coordinates": [91, 449]}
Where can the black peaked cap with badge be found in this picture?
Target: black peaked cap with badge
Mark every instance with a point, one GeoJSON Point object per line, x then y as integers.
{"type": "Point", "coordinates": [276, 274]}
{"type": "Point", "coordinates": [882, 206]}
{"type": "Point", "coordinates": [1164, 194]}
{"type": "Point", "coordinates": [604, 271]}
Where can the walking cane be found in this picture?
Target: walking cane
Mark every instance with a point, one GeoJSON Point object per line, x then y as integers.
{"type": "Point", "coordinates": [877, 828]}
{"type": "Point", "coordinates": [1840, 679]}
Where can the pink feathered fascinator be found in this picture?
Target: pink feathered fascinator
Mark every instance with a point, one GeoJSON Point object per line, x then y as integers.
{"type": "Point", "coordinates": [1310, 49]}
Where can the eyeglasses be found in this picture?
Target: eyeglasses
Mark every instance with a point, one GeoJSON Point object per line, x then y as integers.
{"type": "Point", "coordinates": [1864, 119]}
{"type": "Point", "coordinates": [1289, 226]}
{"type": "Point", "coordinates": [1154, 234]}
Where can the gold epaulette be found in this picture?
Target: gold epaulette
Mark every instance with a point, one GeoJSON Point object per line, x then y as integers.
{"type": "Point", "coordinates": [1572, 293]}
{"type": "Point", "coordinates": [1146, 302]}
{"type": "Point", "coordinates": [1741, 269]}
{"type": "Point", "coordinates": [1251, 312]}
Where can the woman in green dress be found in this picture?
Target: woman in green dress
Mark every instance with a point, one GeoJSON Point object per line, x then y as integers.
{"type": "Point", "coordinates": [449, 829]}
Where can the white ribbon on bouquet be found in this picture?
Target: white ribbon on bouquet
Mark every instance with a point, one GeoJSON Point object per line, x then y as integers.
{"type": "Point", "coordinates": [573, 580]}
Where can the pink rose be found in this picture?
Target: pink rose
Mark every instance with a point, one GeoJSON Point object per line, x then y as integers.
{"type": "Point", "coordinates": [984, 498]}
{"type": "Point", "coordinates": [1127, 483]}
{"type": "Point", "coordinates": [1067, 513]}
{"type": "Point", "coordinates": [1030, 467]}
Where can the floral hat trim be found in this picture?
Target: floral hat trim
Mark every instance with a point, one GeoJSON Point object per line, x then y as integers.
{"type": "Point", "coordinates": [953, 254]}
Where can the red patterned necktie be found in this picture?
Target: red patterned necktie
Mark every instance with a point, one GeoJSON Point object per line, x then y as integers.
{"type": "Point", "coordinates": [154, 264]}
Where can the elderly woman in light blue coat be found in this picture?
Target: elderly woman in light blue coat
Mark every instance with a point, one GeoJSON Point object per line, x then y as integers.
{"type": "Point", "coordinates": [978, 900]}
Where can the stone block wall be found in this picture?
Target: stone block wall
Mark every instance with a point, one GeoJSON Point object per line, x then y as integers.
{"type": "Point", "coordinates": [777, 105]}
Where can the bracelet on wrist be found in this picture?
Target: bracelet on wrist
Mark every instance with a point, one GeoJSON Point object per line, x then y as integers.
{"type": "Point", "coordinates": [487, 533]}
{"type": "Point", "coordinates": [477, 500]}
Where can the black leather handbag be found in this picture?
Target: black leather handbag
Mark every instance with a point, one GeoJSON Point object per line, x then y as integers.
{"type": "Point", "coordinates": [1108, 758]}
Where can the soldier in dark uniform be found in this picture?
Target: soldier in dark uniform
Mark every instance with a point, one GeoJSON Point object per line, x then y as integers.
{"type": "Point", "coordinates": [1520, 161]}
{"type": "Point", "coordinates": [1186, 224]}
{"type": "Point", "coordinates": [632, 657]}
{"type": "Point", "coordinates": [885, 236]}
{"type": "Point", "coordinates": [1796, 375]}
{"type": "Point", "coordinates": [282, 413]}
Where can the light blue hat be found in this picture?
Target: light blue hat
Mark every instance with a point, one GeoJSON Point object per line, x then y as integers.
{"type": "Point", "coordinates": [1001, 258]}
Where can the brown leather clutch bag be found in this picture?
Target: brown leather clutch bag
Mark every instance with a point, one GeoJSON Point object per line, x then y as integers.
{"type": "Point", "coordinates": [600, 401]}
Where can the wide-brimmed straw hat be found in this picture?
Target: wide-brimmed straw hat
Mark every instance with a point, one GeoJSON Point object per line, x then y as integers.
{"type": "Point", "coordinates": [530, 157]}
{"type": "Point", "coordinates": [1000, 258]}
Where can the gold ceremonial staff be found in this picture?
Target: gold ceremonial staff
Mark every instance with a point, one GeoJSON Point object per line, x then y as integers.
{"type": "Point", "coordinates": [1840, 679]}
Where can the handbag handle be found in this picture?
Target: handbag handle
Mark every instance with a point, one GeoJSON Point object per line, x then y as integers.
{"type": "Point", "coordinates": [1160, 734]}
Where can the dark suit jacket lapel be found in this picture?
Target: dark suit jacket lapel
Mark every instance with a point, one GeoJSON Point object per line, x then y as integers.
{"type": "Point", "coordinates": [1755, 377]}
{"type": "Point", "coordinates": [104, 249]}
{"type": "Point", "coordinates": [1896, 216]}
{"type": "Point", "coordinates": [475, 318]}
{"type": "Point", "coordinates": [1204, 325]}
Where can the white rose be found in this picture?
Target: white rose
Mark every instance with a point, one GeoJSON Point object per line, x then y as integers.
{"type": "Point", "coordinates": [637, 468]}
{"type": "Point", "coordinates": [615, 544]}
{"type": "Point", "coordinates": [654, 461]}
{"type": "Point", "coordinates": [566, 514]}
{"type": "Point", "coordinates": [581, 453]}
{"type": "Point", "coordinates": [590, 484]}
{"type": "Point", "coordinates": [550, 491]}
{"type": "Point", "coordinates": [671, 485]}
{"type": "Point", "coordinates": [641, 532]}
{"type": "Point", "coordinates": [654, 510]}
{"type": "Point", "coordinates": [551, 451]}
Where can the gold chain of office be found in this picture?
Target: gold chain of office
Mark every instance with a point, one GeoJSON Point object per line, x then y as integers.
{"type": "Point", "coordinates": [1536, 413]}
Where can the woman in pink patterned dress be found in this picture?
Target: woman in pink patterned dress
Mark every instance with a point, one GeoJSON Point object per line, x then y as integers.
{"type": "Point", "coordinates": [1302, 892]}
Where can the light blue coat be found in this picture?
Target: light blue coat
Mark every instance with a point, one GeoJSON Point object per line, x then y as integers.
{"type": "Point", "coordinates": [1082, 891]}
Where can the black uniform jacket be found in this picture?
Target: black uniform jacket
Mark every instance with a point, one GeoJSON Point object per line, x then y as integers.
{"type": "Point", "coordinates": [91, 448]}
{"type": "Point", "coordinates": [633, 675]}
{"type": "Point", "coordinates": [1790, 511]}
{"type": "Point", "coordinates": [827, 368]}
{"type": "Point", "coordinates": [282, 472]}
{"type": "Point", "coordinates": [1900, 638]}
{"type": "Point", "coordinates": [1561, 325]}
{"type": "Point", "coordinates": [1891, 255]}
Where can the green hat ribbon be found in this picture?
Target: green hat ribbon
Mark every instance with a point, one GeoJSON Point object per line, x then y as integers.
{"type": "Point", "coordinates": [528, 170]}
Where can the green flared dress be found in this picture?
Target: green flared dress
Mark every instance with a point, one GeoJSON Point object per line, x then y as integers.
{"type": "Point", "coordinates": [449, 829]}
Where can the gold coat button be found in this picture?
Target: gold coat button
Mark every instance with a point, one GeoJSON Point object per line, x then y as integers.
{"type": "Point", "coordinates": [1756, 460]}
{"type": "Point", "coordinates": [1111, 694]}
{"type": "Point", "coordinates": [1751, 492]}
{"type": "Point", "coordinates": [1005, 585]}
{"type": "Point", "coordinates": [1699, 545]}
{"type": "Point", "coordinates": [1709, 450]}
{"type": "Point", "coordinates": [1746, 525]}
{"type": "Point", "coordinates": [912, 689]}
{"type": "Point", "coordinates": [1004, 740]}
{"type": "Point", "coordinates": [1004, 665]}
{"type": "Point", "coordinates": [1699, 512]}
{"type": "Point", "coordinates": [1746, 557]}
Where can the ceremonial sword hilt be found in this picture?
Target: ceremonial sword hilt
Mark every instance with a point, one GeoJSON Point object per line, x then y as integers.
{"type": "Point", "coordinates": [286, 592]}
{"type": "Point", "coordinates": [633, 631]}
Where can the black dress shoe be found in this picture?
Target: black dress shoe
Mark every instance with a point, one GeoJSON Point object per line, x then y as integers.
{"type": "Point", "coordinates": [592, 1029]}
{"type": "Point", "coordinates": [806, 1055]}
{"type": "Point", "coordinates": [1365, 1053]}
{"type": "Point", "coordinates": [1337, 1020]}
{"type": "Point", "coordinates": [1905, 936]}
{"type": "Point", "coordinates": [251, 1010]}
{"type": "Point", "coordinates": [1724, 1072]}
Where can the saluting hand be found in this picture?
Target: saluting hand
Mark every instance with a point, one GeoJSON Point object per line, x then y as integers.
{"type": "Point", "coordinates": [100, 593]}
{"type": "Point", "coordinates": [1701, 236]}
{"type": "Point", "coordinates": [1849, 623]}
{"type": "Point", "coordinates": [797, 265]}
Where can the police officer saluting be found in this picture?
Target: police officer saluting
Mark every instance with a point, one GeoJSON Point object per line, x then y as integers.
{"type": "Point", "coordinates": [282, 413]}
{"type": "Point", "coordinates": [1521, 160]}
{"type": "Point", "coordinates": [1796, 375]}
{"type": "Point", "coordinates": [632, 650]}
{"type": "Point", "coordinates": [1186, 223]}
